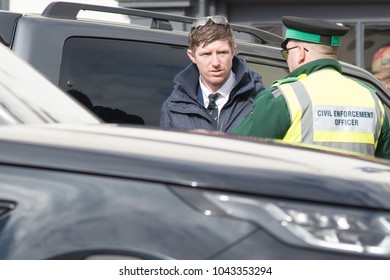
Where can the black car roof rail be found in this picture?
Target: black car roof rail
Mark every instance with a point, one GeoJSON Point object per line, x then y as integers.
{"type": "Point", "coordinates": [68, 10]}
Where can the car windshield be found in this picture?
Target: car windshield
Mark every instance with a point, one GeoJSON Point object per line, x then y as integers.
{"type": "Point", "coordinates": [28, 97]}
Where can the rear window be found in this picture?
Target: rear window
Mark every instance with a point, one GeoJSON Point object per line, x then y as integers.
{"type": "Point", "coordinates": [123, 80]}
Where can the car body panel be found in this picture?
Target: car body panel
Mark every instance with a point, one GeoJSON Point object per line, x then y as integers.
{"type": "Point", "coordinates": [172, 157]}
{"type": "Point", "coordinates": [103, 190]}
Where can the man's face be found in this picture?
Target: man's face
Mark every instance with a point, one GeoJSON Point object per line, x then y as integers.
{"type": "Point", "coordinates": [214, 62]}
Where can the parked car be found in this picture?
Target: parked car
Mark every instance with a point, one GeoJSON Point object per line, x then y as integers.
{"type": "Point", "coordinates": [72, 187]}
{"type": "Point", "coordinates": [130, 66]}
{"type": "Point", "coordinates": [109, 192]}
{"type": "Point", "coordinates": [26, 97]}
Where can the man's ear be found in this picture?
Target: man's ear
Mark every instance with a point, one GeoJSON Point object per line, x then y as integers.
{"type": "Point", "coordinates": [191, 55]}
{"type": "Point", "coordinates": [235, 49]}
{"type": "Point", "coordinates": [302, 54]}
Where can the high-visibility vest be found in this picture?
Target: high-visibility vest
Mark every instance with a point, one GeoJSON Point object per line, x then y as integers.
{"type": "Point", "coordinates": [331, 110]}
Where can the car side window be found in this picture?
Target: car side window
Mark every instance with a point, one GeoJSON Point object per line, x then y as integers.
{"type": "Point", "coordinates": [121, 77]}
{"type": "Point", "coordinates": [269, 73]}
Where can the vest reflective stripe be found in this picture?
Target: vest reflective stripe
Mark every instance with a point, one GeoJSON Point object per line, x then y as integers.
{"type": "Point", "coordinates": [293, 104]}
{"type": "Point", "coordinates": [307, 119]}
{"type": "Point", "coordinates": [333, 123]}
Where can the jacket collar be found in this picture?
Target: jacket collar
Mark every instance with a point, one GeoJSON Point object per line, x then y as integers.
{"type": "Point", "coordinates": [316, 65]}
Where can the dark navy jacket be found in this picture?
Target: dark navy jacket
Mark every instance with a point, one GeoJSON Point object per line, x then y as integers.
{"type": "Point", "coordinates": [182, 109]}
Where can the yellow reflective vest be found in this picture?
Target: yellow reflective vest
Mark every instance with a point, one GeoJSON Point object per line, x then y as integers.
{"type": "Point", "coordinates": [331, 110]}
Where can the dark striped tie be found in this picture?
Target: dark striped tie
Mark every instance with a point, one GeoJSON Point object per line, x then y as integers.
{"type": "Point", "coordinates": [213, 108]}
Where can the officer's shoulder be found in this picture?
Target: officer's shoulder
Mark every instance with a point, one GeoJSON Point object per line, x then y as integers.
{"type": "Point", "coordinates": [285, 81]}
{"type": "Point", "coordinates": [366, 86]}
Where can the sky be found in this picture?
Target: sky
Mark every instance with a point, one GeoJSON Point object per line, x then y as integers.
{"type": "Point", "coordinates": [37, 6]}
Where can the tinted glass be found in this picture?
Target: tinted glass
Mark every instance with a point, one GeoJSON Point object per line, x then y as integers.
{"type": "Point", "coordinates": [269, 73]}
{"type": "Point", "coordinates": [375, 37]}
{"type": "Point", "coordinates": [28, 97]}
{"type": "Point", "coordinates": [121, 76]}
{"type": "Point", "coordinates": [347, 51]}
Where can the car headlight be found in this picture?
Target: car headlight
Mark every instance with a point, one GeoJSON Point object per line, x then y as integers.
{"type": "Point", "coordinates": [342, 229]}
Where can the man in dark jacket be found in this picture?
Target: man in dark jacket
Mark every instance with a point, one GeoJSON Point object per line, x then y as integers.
{"type": "Point", "coordinates": [216, 91]}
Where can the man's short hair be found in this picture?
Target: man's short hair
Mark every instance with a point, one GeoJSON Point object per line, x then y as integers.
{"type": "Point", "coordinates": [209, 33]}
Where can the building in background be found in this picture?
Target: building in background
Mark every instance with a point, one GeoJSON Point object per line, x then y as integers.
{"type": "Point", "coordinates": [4, 4]}
{"type": "Point", "coordinates": [182, 7]}
{"type": "Point", "coordinates": [368, 19]}
{"type": "Point", "coordinates": [37, 6]}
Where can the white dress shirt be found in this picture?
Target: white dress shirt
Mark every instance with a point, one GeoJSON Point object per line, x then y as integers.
{"type": "Point", "coordinates": [224, 91]}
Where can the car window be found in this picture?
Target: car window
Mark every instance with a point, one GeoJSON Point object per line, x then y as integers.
{"type": "Point", "coordinates": [130, 76]}
{"type": "Point", "coordinates": [269, 68]}
{"type": "Point", "coordinates": [269, 73]}
{"type": "Point", "coordinates": [27, 97]}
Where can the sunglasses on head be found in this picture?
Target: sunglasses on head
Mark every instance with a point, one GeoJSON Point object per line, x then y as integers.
{"type": "Point", "coordinates": [203, 20]}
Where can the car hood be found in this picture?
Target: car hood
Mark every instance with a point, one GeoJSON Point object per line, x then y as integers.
{"type": "Point", "coordinates": [202, 160]}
